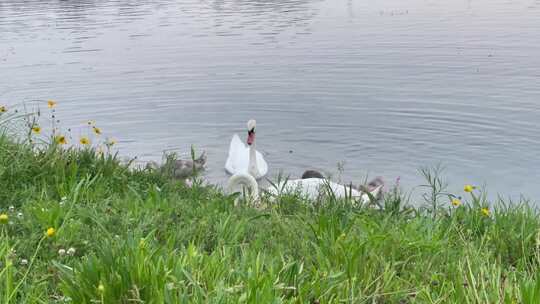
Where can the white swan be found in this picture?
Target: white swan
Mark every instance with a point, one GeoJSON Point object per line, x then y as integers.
{"type": "Point", "coordinates": [313, 188]}
{"type": "Point", "coordinates": [246, 185]}
{"type": "Point", "coordinates": [246, 159]}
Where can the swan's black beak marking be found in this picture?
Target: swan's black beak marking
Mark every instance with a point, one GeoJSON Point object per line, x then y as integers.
{"type": "Point", "coordinates": [251, 136]}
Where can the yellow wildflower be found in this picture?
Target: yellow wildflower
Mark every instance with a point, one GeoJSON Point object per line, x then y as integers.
{"type": "Point", "coordinates": [36, 129]}
{"type": "Point", "coordinates": [4, 218]}
{"type": "Point", "coordinates": [468, 188]}
{"type": "Point", "coordinates": [61, 140]}
{"type": "Point", "coordinates": [101, 288]}
{"type": "Point", "coordinates": [111, 142]}
{"type": "Point", "coordinates": [51, 104]}
{"type": "Point", "coordinates": [3, 109]}
{"type": "Point", "coordinates": [97, 130]}
{"type": "Point", "coordinates": [51, 232]}
{"type": "Point", "coordinates": [485, 211]}
{"type": "Point", "coordinates": [456, 202]}
{"type": "Point", "coordinates": [84, 140]}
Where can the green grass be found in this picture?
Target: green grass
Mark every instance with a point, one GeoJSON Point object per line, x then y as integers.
{"type": "Point", "coordinates": [140, 237]}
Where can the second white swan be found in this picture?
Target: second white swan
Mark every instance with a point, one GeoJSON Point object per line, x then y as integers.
{"type": "Point", "coordinates": [246, 159]}
{"type": "Point", "coordinates": [313, 188]}
{"type": "Point", "coordinates": [310, 188]}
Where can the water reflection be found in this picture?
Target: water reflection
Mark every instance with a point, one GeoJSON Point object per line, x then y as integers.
{"type": "Point", "coordinates": [222, 18]}
{"type": "Point", "coordinates": [266, 18]}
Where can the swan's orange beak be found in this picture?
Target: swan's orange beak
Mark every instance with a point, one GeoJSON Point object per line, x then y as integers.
{"type": "Point", "coordinates": [251, 137]}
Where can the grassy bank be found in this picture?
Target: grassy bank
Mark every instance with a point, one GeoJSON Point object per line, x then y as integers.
{"type": "Point", "coordinates": [78, 226]}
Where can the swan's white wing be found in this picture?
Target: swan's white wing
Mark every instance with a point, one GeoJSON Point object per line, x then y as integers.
{"type": "Point", "coordinates": [238, 158]}
{"type": "Point", "coordinates": [311, 188]}
{"type": "Point", "coordinates": [236, 143]}
{"type": "Point", "coordinates": [314, 187]}
{"type": "Point", "coordinates": [342, 191]}
{"type": "Point", "coordinates": [261, 164]}
{"type": "Point", "coordinates": [308, 187]}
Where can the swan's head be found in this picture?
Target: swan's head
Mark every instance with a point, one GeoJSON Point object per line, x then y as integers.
{"type": "Point", "coordinates": [251, 124]}
{"type": "Point", "coordinates": [312, 174]}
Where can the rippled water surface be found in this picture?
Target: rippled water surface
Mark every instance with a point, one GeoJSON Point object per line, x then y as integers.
{"type": "Point", "coordinates": [386, 86]}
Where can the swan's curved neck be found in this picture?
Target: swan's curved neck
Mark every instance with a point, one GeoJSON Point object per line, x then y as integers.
{"type": "Point", "coordinates": [245, 184]}
{"type": "Point", "coordinates": [253, 169]}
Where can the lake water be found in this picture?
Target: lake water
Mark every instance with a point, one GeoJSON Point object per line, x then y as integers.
{"type": "Point", "coordinates": [385, 86]}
